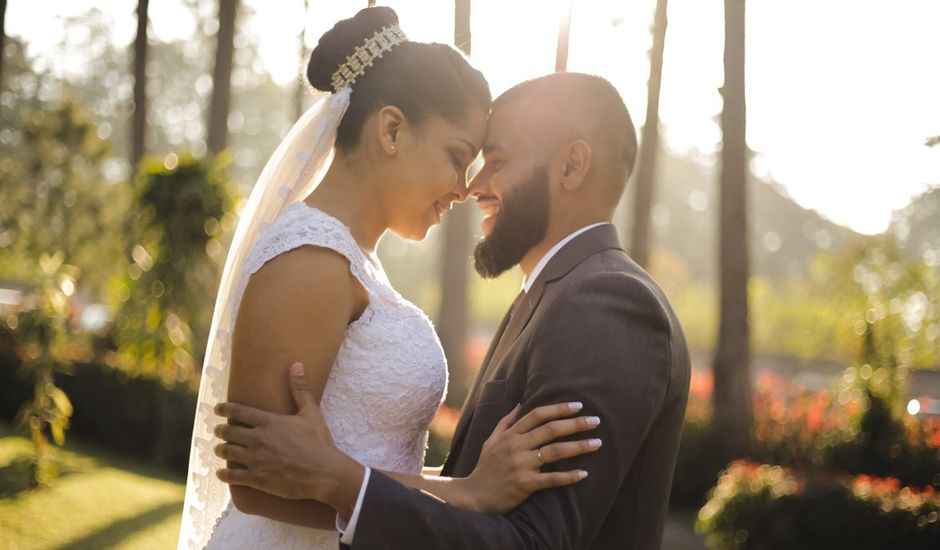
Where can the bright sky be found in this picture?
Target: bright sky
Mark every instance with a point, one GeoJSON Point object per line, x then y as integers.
{"type": "Point", "coordinates": [841, 93]}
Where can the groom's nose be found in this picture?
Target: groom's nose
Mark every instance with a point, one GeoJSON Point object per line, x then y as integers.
{"type": "Point", "coordinates": [480, 184]}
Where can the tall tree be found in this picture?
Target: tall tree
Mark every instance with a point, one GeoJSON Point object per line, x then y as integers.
{"type": "Point", "coordinates": [3, 33]}
{"type": "Point", "coordinates": [301, 88]}
{"type": "Point", "coordinates": [732, 393]}
{"type": "Point", "coordinates": [222, 77]}
{"type": "Point", "coordinates": [649, 145]}
{"type": "Point", "coordinates": [139, 120]}
{"type": "Point", "coordinates": [452, 318]}
{"type": "Point", "coordinates": [564, 32]}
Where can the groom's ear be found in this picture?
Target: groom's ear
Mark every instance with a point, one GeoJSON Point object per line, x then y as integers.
{"type": "Point", "coordinates": [576, 164]}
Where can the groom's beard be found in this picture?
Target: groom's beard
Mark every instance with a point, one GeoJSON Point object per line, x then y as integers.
{"type": "Point", "coordinates": [521, 224]}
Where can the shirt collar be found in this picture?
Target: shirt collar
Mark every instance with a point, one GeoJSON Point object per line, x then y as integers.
{"type": "Point", "coordinates": [530, 280]}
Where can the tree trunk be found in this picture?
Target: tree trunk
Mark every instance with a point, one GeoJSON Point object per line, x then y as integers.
{"type": "Point", "coordinates": [139, 120]}
{"type": "Point", "coordinates": [462, 25]}
{"type": "Point", "coordinates": [222, 77]}
{"type": "Point", "coordinates": [301, 88]}
{"type": "Point", "coordinates": [3, 42]}
{"type": "Point", "coordinates": [564, 32]}
{"type": "Point", "coordinates": [732, 393]}
{"type": "Point", "coordinates": [649, 145]}
{"type": "Point", "coordinates": [452, 319]}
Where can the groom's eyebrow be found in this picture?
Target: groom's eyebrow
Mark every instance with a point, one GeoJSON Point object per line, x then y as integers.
{"type": "Point", "coordinates": [491, 148]}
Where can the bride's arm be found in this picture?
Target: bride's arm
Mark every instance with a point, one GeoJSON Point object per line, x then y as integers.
{"type": "Point", "coordinates": [294, 308]}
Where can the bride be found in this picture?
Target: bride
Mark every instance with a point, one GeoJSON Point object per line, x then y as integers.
{"type": "Point", "coordinates": [386, 146]}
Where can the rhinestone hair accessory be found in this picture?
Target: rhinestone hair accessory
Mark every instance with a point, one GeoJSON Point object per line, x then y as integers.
{"type": "Point", "coordinates": [364, 56]}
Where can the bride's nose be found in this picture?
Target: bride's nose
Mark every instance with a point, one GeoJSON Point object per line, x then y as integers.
{"type": "Point", "coordinates": [461, 192]}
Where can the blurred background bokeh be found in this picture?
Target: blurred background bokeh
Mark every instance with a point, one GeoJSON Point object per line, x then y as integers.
{"type": "Point", "coordinates": [787, 198]}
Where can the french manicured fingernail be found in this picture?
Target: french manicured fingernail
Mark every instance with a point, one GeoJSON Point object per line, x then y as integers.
{"type": "Point", "coordinates": [595, 443]}
{"type": "Point", "coordinates": [592, 421]}
{"type": "Point", "coordinates": [575, 406]}
{"type": "Point", "coordinates": [582, 474]}
{"type": "Point", "coordinates": [297, 369]}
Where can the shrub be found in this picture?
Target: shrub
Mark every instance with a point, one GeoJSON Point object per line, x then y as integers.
{"type": "Point", "coordinates": [770, 507]}
{"type": "Point", "coordinates": [850, 431]}
{"type": "Point", "coordinates": [114, 410]}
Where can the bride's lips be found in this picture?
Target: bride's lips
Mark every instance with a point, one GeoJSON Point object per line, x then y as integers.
{"type": "Point", "coordinates": [440, 209]}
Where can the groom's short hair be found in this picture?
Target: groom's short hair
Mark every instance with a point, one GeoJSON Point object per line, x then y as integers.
{"type": "Point", "coordinates": [590, 102]}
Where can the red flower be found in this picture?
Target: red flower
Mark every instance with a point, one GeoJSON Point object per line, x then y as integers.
{"type": "Point", "coordinates": [445, 421]}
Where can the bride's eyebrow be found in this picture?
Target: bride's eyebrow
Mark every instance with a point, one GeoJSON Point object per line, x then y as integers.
{"type": "Point", "coordinates": [473, 148]}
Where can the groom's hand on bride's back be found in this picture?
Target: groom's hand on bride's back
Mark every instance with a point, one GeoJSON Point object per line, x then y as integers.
{"type": "Point", "coordinates": [284, 455]}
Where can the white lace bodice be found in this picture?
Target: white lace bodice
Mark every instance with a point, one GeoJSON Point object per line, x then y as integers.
{"type": "Point", "coordinates": [384, 388]}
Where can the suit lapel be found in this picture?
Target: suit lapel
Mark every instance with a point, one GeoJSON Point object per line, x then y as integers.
{"type": "Point", "coordinates": [567, 258]}
{"type": "Point", "coordinates": [579, 249]}
{"type": "Point", "coordinates": [470, 403]}
{"type": "Point", "coordinates": [518, 322]}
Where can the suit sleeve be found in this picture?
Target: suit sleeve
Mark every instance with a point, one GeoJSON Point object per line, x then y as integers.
{"type": "Point", "coordinates": [604, 341]}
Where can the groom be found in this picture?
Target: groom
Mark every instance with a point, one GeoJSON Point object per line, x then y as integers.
{"type": "Point", "coordinates": [589, 326]}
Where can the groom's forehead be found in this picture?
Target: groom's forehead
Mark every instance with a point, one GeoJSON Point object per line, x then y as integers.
{"type": "Point", "coordinates": [513, 121]}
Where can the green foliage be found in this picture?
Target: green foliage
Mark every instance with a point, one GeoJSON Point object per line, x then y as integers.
{"type": "Point", "coordinates": [118, 412]}
{"type": "Point", "coordinates": [55, 196]}
{"type": "Point", "coordinates": [857, 428]}
{"type": "Point", "coordinates": [886, 442]}
{"type": "Point", "coordinates": [916, 229]}
{"type": "Point", "coordinates": [822, 314]}
{"type": "Point", "coordinates": [39, 326]}
{"type": "Point", "coordinates": [769, 507]}
{"type": "Point", "coordinates": [887, 446]}
{"type": "Point", "coordinates": [183, 210]}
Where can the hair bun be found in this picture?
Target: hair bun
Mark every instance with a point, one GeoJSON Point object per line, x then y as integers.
{"type": "Point", "coordinates": [339, 43]}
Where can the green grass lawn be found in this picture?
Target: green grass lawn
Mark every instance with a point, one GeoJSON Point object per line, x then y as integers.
{"type": "Point", "coordinates": [100, 500]}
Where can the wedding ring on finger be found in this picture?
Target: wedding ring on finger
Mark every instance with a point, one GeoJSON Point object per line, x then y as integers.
{"type": "Point", "coordinates": [538, 453]}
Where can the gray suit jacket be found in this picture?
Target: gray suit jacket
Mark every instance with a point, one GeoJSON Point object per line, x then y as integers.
{"type": "Point", "coordinates": [593, 328]}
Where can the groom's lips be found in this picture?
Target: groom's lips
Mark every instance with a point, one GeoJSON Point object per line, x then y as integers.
{"type": "Point", "coordinates": [490, 207]}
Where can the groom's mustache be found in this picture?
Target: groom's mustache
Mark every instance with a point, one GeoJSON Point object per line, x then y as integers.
{"type": "Point", "coordinates": [488, 203]}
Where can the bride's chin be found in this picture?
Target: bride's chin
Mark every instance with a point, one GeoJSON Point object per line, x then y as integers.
{"type": "Point", "coordinates": [416, 233]}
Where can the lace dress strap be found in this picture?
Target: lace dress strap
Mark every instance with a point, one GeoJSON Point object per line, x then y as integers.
{"type": "Point", "coordinates": [301, 224]}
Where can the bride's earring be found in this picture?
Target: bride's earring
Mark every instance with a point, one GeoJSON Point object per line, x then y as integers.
{"type": "Point", "coordinates": [392, 150]}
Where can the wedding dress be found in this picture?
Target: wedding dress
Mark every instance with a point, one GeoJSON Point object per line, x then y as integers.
{"type": "Point", "coordinates": [383, 390]}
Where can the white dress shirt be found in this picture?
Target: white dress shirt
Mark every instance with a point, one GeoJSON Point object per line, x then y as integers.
{"type": "Point", "coordinates": [347, 529]}
{"type": "Point", "coordinates": [530, 280]}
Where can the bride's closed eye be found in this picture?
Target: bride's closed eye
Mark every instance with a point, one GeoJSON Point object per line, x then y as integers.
{"type": "Point", "coordinates": [456, 160]}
